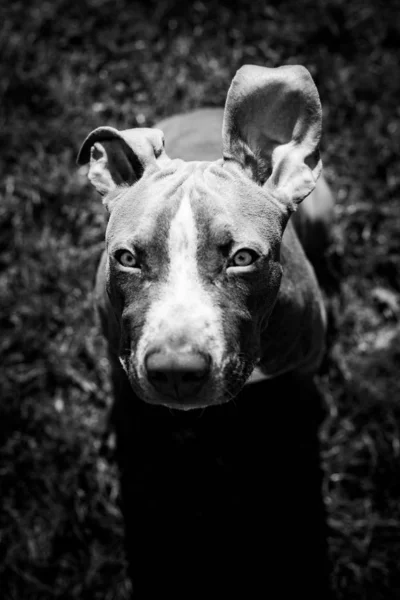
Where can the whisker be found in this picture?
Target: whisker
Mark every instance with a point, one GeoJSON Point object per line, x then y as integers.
{"type": "Point", "coordinates": [202, 411]}
{"type": "Point", "coordinates": [228, 393]}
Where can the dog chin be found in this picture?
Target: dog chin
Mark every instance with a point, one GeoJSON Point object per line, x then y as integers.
{"type": "Point", "coordinates": [206, 400]}
{"type": "Point", "coordinates": [148, 395]}
{"type": "Point", "coordinates": [184, 404]}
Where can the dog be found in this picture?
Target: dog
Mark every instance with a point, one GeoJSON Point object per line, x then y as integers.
{"type": "Point", "coordinates": [206, 288]}
{"type": "Point", "coordinates": [204, 285]}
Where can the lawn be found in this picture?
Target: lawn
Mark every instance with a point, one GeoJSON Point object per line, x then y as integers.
{"type": "Point", "coordinates": [68, 67]}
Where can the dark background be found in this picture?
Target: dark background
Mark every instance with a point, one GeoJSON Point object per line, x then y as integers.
{"type": "Point", "coordinates": [67, 67]}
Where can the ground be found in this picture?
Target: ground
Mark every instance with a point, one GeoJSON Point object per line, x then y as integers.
{"type": "Point", "coordinates": [68, 67]}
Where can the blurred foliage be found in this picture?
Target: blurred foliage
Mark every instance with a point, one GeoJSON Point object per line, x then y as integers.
{"type": "Point", "coordinates": [68, 67]}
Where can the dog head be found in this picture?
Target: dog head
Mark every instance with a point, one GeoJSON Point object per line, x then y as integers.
{"type": "Point", "coordinates": [194, 247]}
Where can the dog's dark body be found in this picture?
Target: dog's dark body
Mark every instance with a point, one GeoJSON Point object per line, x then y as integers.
{"type": "Point", "coordinates": [227, 503]}
{"type": "Point", "coordinates": [223, 502]}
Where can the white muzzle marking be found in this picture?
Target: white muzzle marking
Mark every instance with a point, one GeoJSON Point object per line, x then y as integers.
{"type": "Point", "coordinates": [185, 310]}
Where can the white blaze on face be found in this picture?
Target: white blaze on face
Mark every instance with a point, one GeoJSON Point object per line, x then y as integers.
{"type": "Point", "coordinates": [185, 311]}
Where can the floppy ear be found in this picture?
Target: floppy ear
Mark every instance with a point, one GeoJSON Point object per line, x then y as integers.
{"type": "Point", "coordinates": [272, 127]}
{"type": "Point", "coordinates": [119, 157]}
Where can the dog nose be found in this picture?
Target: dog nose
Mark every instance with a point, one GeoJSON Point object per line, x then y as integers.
{"type": "Point", "coordinates": [179, 374]}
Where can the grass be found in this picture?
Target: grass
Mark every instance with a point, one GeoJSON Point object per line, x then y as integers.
{"type": "Point", "coordinates": [68, 67]}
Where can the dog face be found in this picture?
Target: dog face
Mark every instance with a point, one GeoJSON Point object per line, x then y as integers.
{"type": "Point", "coordinates": [193, 247]}
{"type": "Point", "coordinates": [193, 271]}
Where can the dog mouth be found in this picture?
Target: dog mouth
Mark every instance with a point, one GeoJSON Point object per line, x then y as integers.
{"type": "Point", "coordinates": [187, 404]}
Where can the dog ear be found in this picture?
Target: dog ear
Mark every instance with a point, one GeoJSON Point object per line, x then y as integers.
{"type": "Point", "coordinates": [119, 157]}
{"type": "Point", "coordinates": [272, 127]}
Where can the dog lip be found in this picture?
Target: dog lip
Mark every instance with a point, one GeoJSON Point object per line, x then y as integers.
{"type": "Point", "coordinates": [184, 407]}
{"type": "Point", "coordinates": [172, 402]}
{"type": "Point", "coordinates": [187, 404]}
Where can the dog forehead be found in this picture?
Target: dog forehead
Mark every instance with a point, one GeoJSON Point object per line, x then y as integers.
{"type": "Point", "coordinates": [223, 203]}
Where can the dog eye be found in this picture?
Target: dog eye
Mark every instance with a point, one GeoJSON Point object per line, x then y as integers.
{"type": "Point", "coordinates": [244, 258]}
{"type": "Point", "coordinates": [126, 259]}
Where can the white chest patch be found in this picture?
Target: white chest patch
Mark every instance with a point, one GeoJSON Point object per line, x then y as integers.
{"type": "Point", "coordinates": [184, 315]}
